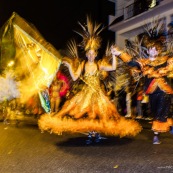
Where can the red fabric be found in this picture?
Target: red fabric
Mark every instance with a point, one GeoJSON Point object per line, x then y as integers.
{"type": "Point", "coordinates": [65, 87]}
{"type": "Point", "coordinates": [140, 95]}
{"type": "Point", "coordinates": [151, 84]}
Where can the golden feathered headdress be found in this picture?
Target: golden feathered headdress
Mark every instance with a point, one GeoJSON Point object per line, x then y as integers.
{"type": "Point", "coordinates": [155, 33]}
{"type": "Point", "coordinates": [90, 34]}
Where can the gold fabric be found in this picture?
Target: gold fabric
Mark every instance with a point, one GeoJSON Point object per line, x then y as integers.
{"type": "Point", "coordinates": [125, 57]}
{"type": "Point", "coordinates": [36, 61]}
{"type": "Point", "coordinates": [158, 126]}
{"type": "Point", "coordinates": [90, 109]}
{"type": "Point", "coordinates": [148, 69]}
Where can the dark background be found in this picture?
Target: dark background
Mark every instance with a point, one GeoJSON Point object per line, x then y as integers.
{"type": "Point", "coordinates": [56, 20]}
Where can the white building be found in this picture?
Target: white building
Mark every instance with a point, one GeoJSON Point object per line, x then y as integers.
{"type": "Point", "coordinates": [132, 15]}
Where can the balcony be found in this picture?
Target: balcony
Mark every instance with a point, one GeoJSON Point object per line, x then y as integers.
{"type": "Point", "coordinates": [134, 14]}
{"type": "Point", "coordinates": [139, 7]}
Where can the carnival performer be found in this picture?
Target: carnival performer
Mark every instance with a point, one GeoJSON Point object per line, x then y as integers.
{"type": "Point", "coordinates": [9, 90]}
{"type": "Point", "coordinates": [55, 98]}
{"type": "Point", "coordinates": [156, 69]}
{"type": "Point", "coordinates": [90, 109]}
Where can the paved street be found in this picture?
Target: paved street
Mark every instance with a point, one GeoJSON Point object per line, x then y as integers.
{"type": "Point", "coordinates": [24, 149]}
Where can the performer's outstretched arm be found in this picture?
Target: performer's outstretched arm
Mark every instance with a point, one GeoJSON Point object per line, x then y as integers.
{"type": "Point", "coordinates": [113, 66]}
{"type": "Point", "coordinates": [74, 74]}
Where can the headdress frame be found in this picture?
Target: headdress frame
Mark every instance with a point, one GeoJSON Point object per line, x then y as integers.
{"type": "Point", "coordinates": [90, 35]}
{"type": "Point", "coordinates": [155, 34]}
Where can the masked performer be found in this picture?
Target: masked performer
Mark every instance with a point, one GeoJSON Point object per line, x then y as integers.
{"type": "Point", "coordinates": [90, 109]}
{"type": "Point", "coordinates": [156, 69]}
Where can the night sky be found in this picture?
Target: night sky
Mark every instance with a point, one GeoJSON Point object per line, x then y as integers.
{"type": "Point", "coordinates": [56, 20]}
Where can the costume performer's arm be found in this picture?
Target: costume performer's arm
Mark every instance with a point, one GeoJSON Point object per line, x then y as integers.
{"type": "Point", "coordinates": [165, 71]}
{"type": "Point", "coordinates": [74, 74]}
{"type": "Point", "coordinates": [113, 66]}
{"type": "Point", "coordinates": [125, 58]}
{"type": "Point", "coordinates": [160, 72]}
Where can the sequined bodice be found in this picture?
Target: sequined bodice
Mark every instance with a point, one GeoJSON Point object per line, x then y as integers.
{"type": "Point", "coordinates": [92, 79]}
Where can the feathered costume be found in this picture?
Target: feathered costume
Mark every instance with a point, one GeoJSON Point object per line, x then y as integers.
{"type": "Point", "coordinates": [9, 88]}
{"type": "Point", "coordinates": [90, 109]}
{"type": "Point", "coordinates": [157, 74]}
{"type": "Point", "coordinates": [36, 62]}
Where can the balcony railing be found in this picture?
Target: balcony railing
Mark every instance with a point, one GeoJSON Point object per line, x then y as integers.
{"type": "Point", "coordinates": [139, 7]}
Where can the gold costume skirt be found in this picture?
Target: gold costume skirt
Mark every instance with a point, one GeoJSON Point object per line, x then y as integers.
{"type": "Point", "coordinates": [89, 110]}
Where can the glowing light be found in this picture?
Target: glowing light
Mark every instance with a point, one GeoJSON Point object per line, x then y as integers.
{"type": "Point", "coordinates": [10, 64]}
{"type": "Point", "coordinates": [153, 4]}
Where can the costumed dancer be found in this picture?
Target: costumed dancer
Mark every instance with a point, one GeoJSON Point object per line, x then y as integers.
{"type": "Point", "coordinates": [55, 98]}
{"type": "Point", "coordinates": [156, 69]}
{"type": "Point", "coordinates": [90, 109]}
{"type": "Point", "coordinates": [9, 90]}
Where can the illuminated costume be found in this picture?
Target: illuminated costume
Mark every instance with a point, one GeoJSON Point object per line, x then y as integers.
{"type": "Point", "coordinates": [156, 71]}
{"type": "Point", "coordinates": [158, 89]}
{"type": "Point", "coordinates": [37, 63]}
{"type": "Point", "coordinates": [89, 109]}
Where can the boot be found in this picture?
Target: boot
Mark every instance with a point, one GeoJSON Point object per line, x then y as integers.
{"type": "Point", "coordinates": [171, 130]}
{"type": "Point", "coordinates": [156, 138]}
{"type": "Point", "coordinates": [89, 140]}
{"type": "Point", "coordinates": [97, 137]}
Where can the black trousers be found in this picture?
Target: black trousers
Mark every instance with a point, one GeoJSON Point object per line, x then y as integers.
{"type": "Point", "coordinates": [160, 106]}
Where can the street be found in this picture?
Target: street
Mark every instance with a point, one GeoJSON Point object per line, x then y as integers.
{"type": "Point", "coordinates": [24, 149]}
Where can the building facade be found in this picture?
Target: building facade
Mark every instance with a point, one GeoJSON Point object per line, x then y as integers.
{"type": "Point", "coordinates": [131, 16]}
